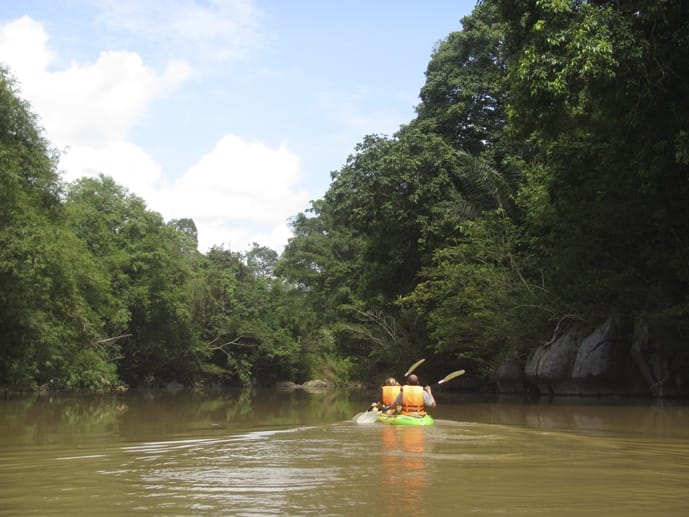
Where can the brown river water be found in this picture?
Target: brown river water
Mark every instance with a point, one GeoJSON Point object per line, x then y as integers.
{"type": "Point", "coordinates": [299, 453]}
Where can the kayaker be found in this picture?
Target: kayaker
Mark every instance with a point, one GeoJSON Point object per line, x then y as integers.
{"type": "Point", "coordinates": [413, 398]}
{"type": "Point", "coordinates": [389, 393]}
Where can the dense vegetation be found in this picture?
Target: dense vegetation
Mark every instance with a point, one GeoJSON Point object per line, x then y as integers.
{"type": "Point", "coordinates": [544, 177]}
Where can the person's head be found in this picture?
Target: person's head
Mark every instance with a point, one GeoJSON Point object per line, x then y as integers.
{"type": "Point", "coordinates": [413, 380]}
{"type": "Point", "coordinates": [391, 381]}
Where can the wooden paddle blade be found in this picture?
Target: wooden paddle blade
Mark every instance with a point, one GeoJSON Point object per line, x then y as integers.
{"type": "Point", "coordinates": [451, 376]}
{"type": "Point", "coordinates": [414, 366]}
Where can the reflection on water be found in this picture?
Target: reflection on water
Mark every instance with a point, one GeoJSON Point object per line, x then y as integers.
{"type": "Point", "coordinates": [270, 453]}
{"type": "Point", "coordinates": [404, 476]}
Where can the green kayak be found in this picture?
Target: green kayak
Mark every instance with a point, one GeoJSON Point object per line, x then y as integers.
{"type": "Point", "coordinates": [405, 419]}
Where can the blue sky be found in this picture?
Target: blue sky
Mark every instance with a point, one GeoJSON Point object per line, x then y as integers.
{"type": "Point", "coordinates": [231, 112]}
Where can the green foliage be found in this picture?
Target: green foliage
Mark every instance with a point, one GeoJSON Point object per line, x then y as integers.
{"type": "Point", "coordinates": [593, 89]}
{"type": "Point", "coordinates": [89, 371]}
{"type": "Point", "coordinates": [544, 174]}
{"type": "Point", "coordinates": [152, 267]}
{"type": "Point", "coordinates": [386, 197]}
{"type": "Point", "coordinates": [261, 260]}
{"type": "Point", "coordinates": [248, 326]}
{"type": "Point", "coordinates": [52, 293]}
{"type": "Point", "coordinates": [480, 297]}
{"type": "Point", "coordinates": [399, 200]}
{"type": "Point", "coordinates": [463, 98]}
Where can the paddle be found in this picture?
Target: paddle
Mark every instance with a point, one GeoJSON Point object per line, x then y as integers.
{"type": "Point", "coordinates": [371, 415]}
{"type": "Point", "coordinates": [449, 377]}
{"type": "Point", "coordinates": [413, 367]}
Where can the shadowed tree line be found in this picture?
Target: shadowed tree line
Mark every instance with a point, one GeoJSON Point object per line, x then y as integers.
{"type": "Point", "coordinates": [544, 178]}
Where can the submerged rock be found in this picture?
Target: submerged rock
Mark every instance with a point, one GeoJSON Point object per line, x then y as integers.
{"type": "Point", "coordinates": [287, 386]}
{"type": "Point", "coordinates": [317, 384]}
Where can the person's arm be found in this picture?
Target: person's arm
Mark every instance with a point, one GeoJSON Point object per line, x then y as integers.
{"type": "Point", "coordinates": [428, 398]}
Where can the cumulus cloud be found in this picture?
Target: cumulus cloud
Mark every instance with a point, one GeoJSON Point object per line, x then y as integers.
{"type": "Point", "coordinates": [24, 46]}
{"type": "Point", "coordinates": [85, 104]}
{"type": "Point", "coordinates": [241, 192]}
{"type": "Point", "coordinates": [125, 162]}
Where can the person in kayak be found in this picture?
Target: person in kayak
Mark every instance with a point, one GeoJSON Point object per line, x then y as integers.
{"type": "Point", "coordinates": [389, 393]}
{"type": "Point", "coordinates": [413, 398]}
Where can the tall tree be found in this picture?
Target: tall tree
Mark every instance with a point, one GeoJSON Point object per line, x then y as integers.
{"type": "Point", "coordinates": [597, 90]}
{"type": "Point", "coordinates": [248, 323]}
{"type": "Point", "coordinates": [152, 269]}
{"type": "Point", "coordinates": [464, 96]}
{"type": "Point", "coordinates": [52, 294]}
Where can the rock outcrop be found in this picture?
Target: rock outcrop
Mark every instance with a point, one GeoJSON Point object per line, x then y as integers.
{"type": "Point", "coordinates": [609, 360]}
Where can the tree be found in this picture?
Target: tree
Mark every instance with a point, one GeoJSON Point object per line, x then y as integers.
{"type": "Point", "coordinates": [464, 96]}
{"type": "Point", "coordinates": [261, 260]}
{"type": "Point", "coordinates": [188, 227]}
{"type": "Point", "coordinates": [479, 296]}
{"type": "Point", "coordinates": [152, 268]}
{"type": "Point", "coordinates": [248, 324]}
{"type": "Point", "coordinates": [52, 294]}
{"type": "Point", "coordinates": [596, 90]}
{"type": "Point", "coordinates": [387, 194]}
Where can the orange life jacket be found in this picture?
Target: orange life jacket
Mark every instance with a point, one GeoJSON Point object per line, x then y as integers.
{"type": "Point", "coordinates": [412, 400]}
{"type": "Point", "coordinates": [389, 395]}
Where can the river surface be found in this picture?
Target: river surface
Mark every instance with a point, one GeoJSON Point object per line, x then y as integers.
{"type": "Point", "coordinates": [301, 453]}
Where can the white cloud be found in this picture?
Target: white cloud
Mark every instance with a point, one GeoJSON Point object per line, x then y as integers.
{"type": "Point", "coordinates": [125, 162]}
{"type": "Point", "coordinates": [98, 103]}
{"type": "Point", "coordinates": [24, 46]}
{"type": "Point", "coordinates": [84, 105]}
{"type": "Point", "coordinates": [241, 192]}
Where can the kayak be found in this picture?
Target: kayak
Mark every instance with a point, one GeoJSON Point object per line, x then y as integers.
{"type": "Point", "coordinates": [384, 418]}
